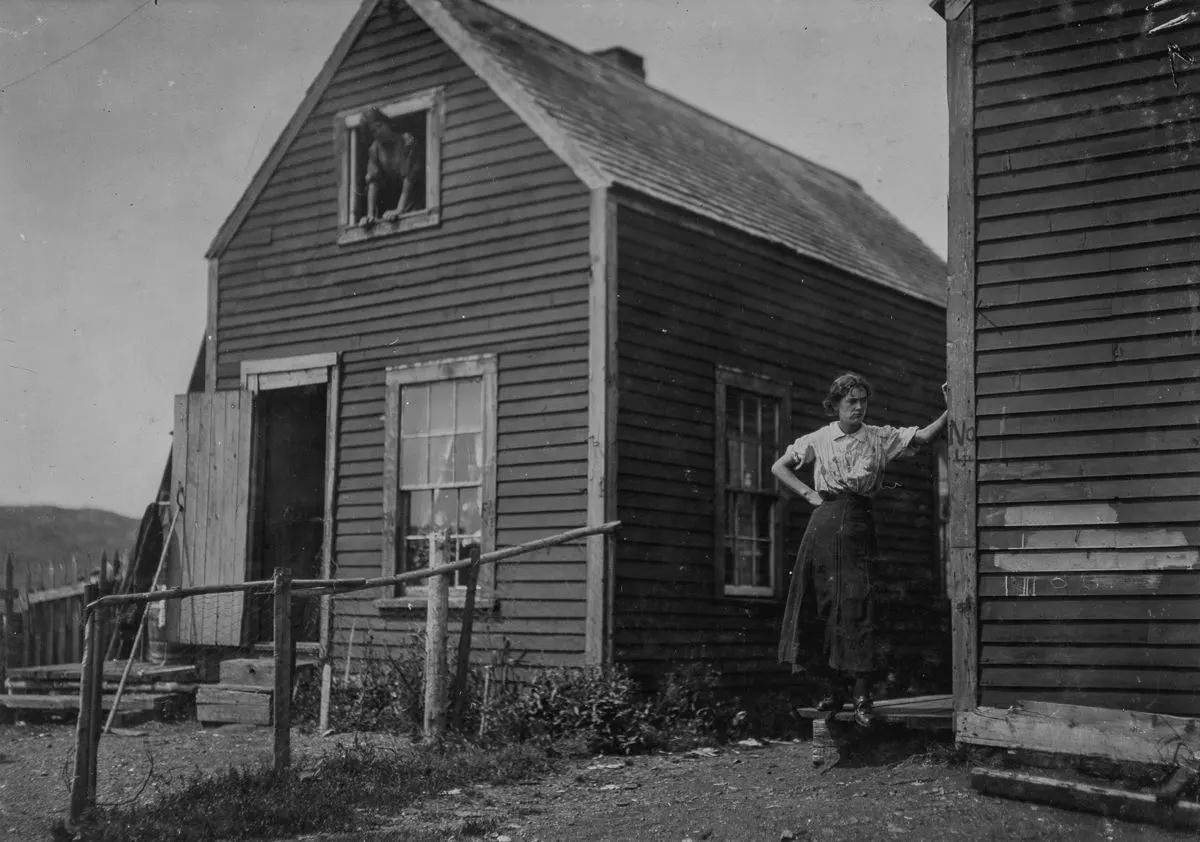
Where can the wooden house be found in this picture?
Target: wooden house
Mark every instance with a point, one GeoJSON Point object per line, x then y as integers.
{"type": "Point", "coordinates": [1073, 320]}
{"type": "Point", "coordinates": [600, 303]}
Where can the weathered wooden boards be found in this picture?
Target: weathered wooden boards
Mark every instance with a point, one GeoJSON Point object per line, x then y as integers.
{"type": "Point", "coordinates": [1070, 729]}
{"type": "Point", "coordinates": [1108, 801]}
{"type": "Point", "coordinates": [211, 463]}
{"type": "Point", "coordinates": [244, 693]}
{"type": "Point", "coordinates": [216, 703]}
{"type": "Point", "coordinates": [934, 712]}
{"type": "Point", "coordinates": [1083, 312]}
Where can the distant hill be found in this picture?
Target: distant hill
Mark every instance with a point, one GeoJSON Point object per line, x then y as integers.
{"type": "Point", "coordinates": [38, 536]}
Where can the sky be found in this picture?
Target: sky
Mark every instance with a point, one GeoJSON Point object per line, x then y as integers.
{"type": "Point", "coordinates": [130, 128]}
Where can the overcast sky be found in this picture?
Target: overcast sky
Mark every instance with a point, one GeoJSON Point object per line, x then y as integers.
{"type": "Point", "coordinates": [129, 128]}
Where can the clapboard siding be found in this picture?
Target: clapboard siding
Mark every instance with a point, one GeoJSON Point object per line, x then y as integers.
{"type": "Point", "coordinates": [692, 300]}
{"type": "Point", "coordinates": [506, 272]}
{"type": "Point", "coordinates": [1087, 421]}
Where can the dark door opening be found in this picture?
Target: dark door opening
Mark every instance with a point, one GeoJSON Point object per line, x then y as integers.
{"type": "Point", "coordinates": [289, 501]}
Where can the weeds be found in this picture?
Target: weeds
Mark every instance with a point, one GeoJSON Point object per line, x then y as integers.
{"type": "Point", "coordinates": [338, 793]}
{"type": "Point", "coordinates": [560, 712]}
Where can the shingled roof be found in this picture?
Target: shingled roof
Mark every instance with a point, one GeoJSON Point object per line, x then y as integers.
{"type": "Point", "coordinates": [612, 128]}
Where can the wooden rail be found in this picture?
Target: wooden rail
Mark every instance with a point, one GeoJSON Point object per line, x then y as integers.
{"type": "Point", "coordinates": [284, 589]}
{"type": "Point", "coordinates": [317, 587]}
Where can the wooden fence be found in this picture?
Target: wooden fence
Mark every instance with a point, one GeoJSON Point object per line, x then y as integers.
{"type": "Point", "coordinates": [43, 611]}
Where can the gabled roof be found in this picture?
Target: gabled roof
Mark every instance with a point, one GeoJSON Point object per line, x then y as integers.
{"type": "Point", "coordinates": [612, 128]}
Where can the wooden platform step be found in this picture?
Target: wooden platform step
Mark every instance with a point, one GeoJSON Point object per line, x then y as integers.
{"type": "Point", "coordinates": [1076, 795]}
{"type": "Point", "coordinates": [928, 712]}
{"type": "Point", "coordinates": [139, 673]}
{"type": "Point", "coordinates": [134, 707]}
{"type": "Point", "coordinates": [228, 703]}
{"type": "Point", "coordinates": [245, 691]}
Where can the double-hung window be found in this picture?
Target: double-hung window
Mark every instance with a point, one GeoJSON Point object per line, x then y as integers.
{"type": "Point", "coordinates": [439, 456]}
{"type": "Point", "coordinates": [751, 413]}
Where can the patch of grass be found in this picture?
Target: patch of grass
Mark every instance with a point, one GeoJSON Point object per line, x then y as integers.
{"type": "Point", "coordinates": [340, 792]}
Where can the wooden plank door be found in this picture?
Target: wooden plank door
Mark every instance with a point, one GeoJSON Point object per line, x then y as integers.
{"type": "Point", "coordinates": [211, 464]}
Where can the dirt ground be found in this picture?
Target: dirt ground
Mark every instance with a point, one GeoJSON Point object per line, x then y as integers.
{"type": "Point", "coordinates": [903, 790]}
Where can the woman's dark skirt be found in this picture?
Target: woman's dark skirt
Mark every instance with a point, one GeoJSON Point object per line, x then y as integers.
{"type": "Point", "coordinates": [831, 586]}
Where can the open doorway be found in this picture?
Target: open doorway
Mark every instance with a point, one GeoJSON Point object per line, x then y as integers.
{"type": "Point", "coordinates": [288, 490]}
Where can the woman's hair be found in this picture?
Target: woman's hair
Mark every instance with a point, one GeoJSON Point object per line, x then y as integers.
{"type": "Point", "coordinates": [841, 387]}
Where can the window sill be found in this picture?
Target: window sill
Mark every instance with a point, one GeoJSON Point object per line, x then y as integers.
{"type": "Point", "coordinates": [419, 602]}
{"type": "Point", "coordinates": [750, 593]}
{"type": "Point", "coordinates": [384, 228]}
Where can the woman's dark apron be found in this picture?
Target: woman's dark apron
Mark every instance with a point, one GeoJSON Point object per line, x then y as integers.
{"type": "Point", "coordinates": [831, 584]}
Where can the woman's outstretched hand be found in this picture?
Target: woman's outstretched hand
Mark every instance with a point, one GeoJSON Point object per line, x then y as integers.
{"type": "Point", "coordinates": [946, 394]}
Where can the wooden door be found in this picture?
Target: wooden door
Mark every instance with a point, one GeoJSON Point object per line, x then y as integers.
{"type": "Point", "coordinates": [211, 463]}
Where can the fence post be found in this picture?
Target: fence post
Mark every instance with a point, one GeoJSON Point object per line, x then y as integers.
{"type": "Point", "coordinates": [10, 622]}
{"type": "Point", "coordinates": [462, 666]}
{"type": "Point", "coordinates": [437, 612]}
{"type": "Point", "coordinates": [282, 697]}
{"type": "Point", "coordinates": [83, 782]}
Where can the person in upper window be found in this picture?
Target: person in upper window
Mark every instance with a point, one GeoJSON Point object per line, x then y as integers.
{"type": "Point", "coordinates": [834, 565]}
{"type": "Point", "coordinates": [395, 167]}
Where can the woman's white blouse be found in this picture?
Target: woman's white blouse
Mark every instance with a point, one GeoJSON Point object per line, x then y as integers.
{"type": "Point", "coordinates": [849, 462]}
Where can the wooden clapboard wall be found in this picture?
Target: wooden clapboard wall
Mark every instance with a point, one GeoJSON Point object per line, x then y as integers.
{"type": "Point", "coordinates": [506, 272]}
{"type": "Point", "coordinates": [1087, 338]}
{"type": "Point", "coordinates": [695, 296]}
{"type": "Point", "coordinates": [211, 464]}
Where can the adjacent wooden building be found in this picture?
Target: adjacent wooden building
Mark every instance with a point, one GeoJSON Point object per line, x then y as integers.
{"type": "Point", "coordinates": [1074, 313]}
{"type": "Point", "coordinates": [604, 304]}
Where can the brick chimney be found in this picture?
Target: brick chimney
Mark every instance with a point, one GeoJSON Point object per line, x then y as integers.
{"type": "Point", "coordinates": [626, 60]}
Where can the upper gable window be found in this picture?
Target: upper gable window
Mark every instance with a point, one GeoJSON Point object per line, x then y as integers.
{"type": "Point", "coordinates": [390, 156]}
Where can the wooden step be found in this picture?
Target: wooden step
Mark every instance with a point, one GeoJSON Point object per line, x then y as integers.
{"type": "Point", "coordinates": [256, 672]}
{"type": "Point", "coordinates": [132, 707]}
{"type": "Point", "coordinates": [221, 703]}
{"type": "Point", "coordinates": [110, 685]}
{"type": "Point", "coordinates": [139, 672]}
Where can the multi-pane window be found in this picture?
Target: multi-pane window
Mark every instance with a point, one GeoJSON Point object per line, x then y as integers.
{"type": "Point", "coordinates": [438, 456]}
{"type": "Point", "coordinates": [441, 470]}
{"type": "Point", "coordinates": [750, 430]}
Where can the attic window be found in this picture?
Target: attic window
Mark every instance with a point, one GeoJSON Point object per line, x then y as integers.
{"type": "Point", "coordinates": [390, 167]}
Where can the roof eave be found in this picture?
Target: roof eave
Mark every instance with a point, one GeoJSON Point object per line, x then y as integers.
{"type": "Point", "coordinates": [910, 291]}
{"type": "Point", "coordinates": [949, 9]}
{"type": "Point", "coordinates": [510, 91]}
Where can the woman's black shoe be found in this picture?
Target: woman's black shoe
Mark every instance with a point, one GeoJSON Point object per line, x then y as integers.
{"type": "Point", "coordinates": [831, 703]}
{"type": "Point", "coordinates": [864, 711]}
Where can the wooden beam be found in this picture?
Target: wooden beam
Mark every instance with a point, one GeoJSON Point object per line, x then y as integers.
{"type": "Point", "coordinates": [960, 353]}
{"type": "Point", "coordinates": [1107, 801]}
{"type": "Point", "coordinates": [1078, 730]}
{"type": "Point", "coordinates": [437, 615]}
{"type": "Point", "coordinates": [333, 415]}
{"type": "Point", "coordinates": [8, 631]}
{"type": "Point", "coordinates": [602, 417]}
{"type": "Point", "coordinates": [282, 701]}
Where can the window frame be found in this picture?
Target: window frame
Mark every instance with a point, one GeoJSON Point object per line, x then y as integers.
{"type": "Point", "coordinates": [763, 386]}
{"type": "Point", "coordinates": [395, 378]}
{"type": "Point", "coordinates": [432, 101]}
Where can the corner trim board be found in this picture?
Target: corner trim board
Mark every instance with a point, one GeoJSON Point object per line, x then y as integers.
{"type": "Point", "coordinates": [960, 359]}
{"type": "Point", "coordinates": [602, 425]}
{"type": "Point", "coordinates": [210, 328]}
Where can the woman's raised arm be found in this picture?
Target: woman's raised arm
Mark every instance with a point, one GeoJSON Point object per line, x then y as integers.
{"type": "Point", "coordinates": [934, 428]}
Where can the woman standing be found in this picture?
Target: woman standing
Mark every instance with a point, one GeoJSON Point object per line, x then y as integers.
{"type": "Point", "coordinates": [839, 548]}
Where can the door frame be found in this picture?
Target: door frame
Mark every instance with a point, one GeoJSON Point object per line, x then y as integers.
{"type": "Point", "coordinates": [308, 370]}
